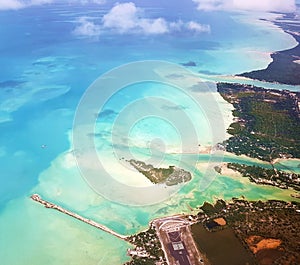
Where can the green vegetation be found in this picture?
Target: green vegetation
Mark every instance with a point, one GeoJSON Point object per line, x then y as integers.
{"type": "Point", "coordinates": [170, 176]}
{"type": "Point", "coordinates": [140, 261]}
{"type": "Point", "coordinates": [149, 242]}
{"type": "Point", "coordinates": [158, 175]}
{"type": "Point", "coordinates": [267, 122]}
{"type": "Point", "coordinates": [272, 176]}
{"type": "Point", "coordinates": [210, 209]}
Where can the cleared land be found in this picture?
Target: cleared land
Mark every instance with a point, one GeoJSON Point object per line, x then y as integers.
{"type": "Point", "coordinates": [222, 247]}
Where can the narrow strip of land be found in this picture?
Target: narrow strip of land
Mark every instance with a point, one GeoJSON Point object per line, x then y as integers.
{"type": "Point", "coordinates": [48, 204]}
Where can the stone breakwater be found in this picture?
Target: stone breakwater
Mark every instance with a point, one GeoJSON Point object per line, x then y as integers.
{"type": "Point", "coordinates": [48, 204]}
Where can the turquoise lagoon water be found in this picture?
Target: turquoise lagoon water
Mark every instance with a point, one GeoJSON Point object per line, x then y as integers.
{"type": "Point", "coordinates": [45, 69]}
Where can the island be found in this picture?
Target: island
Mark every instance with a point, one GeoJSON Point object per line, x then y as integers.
{"type": "Point", "coordinates": [267, 127]}
{"type": "Point", "coordinates": [285, 67]}
{"type": "Point", "coordinates": [169, 176]}
{"type": "Point", "coordinates": [268, 176]}
{"type": "Point", "coordinates": [266, 122]}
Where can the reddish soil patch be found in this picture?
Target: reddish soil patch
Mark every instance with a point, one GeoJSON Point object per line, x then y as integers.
{"type": "Point", "coordinates": [258, 243]}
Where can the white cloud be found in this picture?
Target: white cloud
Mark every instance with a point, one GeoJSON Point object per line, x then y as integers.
{"type": "Point", "coordinates": [18, 4]}
{"type": "Point", "coordinates": [122, 17]}
{"type": "Point", "coordinates": [39, 2]}
{"type": "Point", "coordinates": [156, 26]}
{"type": "Point", "coordinates": [191, 26]}
{"type": "Point", "coordinates": [177, 25]}
{"type": "Point", "coordinates": [127, 18]}
{"type": "Point", "coordinates": [243, 5]}
{"type": "Point", "coordinates": [209, 5]}
{"type": "Point", "coordinates": [10, 4]}
{"type": "Point", "coordinates": [87, 28]}
{"type": "Point", "coordinates": [194, 26]}
{"type": "Point", "coordinates": [266, 5]}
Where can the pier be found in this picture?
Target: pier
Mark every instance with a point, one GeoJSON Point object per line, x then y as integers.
{"type": "Point", "coordinates": [47, 204]}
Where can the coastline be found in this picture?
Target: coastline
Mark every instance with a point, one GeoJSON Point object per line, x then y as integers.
{"type": "Point", "coordinates": [243, 78]}
{"type": "Point", "coordinates": [283, 68]}
{"type": "Point", "coordinates": [249, 81]}
{"type": "Point", "coordinates": [283, 160]}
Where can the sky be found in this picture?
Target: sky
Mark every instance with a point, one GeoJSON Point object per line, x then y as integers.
{"type": "Point", "coordinates": [253, 5]}
{"type": "Point", "coordinates": [207, 5]}
{"type": "Point", "coordinates": [128, 17]}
